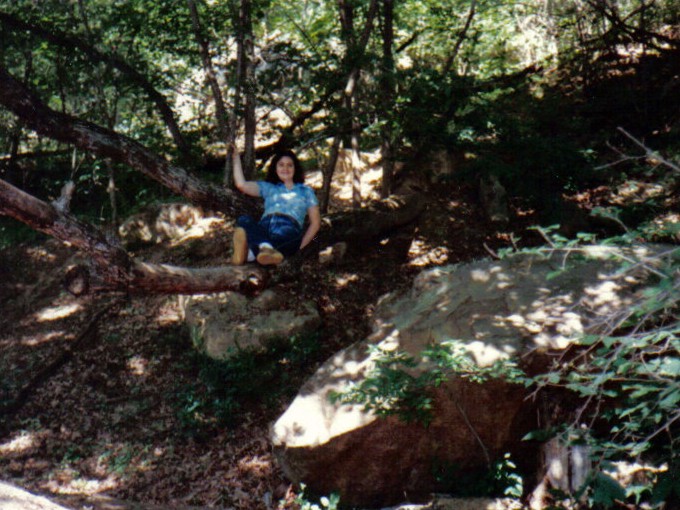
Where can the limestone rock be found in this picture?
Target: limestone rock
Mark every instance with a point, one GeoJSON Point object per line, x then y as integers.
{"type": "Point", "coordinates": [14, 498]}
{"type": "Point", "coordinates": [169, 223]}
{"type": "Point", "coordinates": [515, 308]}
{"type": "Point", "coordinates": [229, 321]}
{"type": "Point", "coordinates": [446, 503]}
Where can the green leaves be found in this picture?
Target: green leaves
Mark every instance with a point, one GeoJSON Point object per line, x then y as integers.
{"type": "Point", "coordinates": [606, 491]}
{"type": "Point", "coordinates": [400, 384]}
{"type": "Point", "coordinates": [629, 377]}
{"type": "Point", "coordinates": [667, 486]}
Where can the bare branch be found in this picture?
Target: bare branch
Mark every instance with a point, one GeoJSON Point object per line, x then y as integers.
{"type": "Point", "coordinates": [649, 153]}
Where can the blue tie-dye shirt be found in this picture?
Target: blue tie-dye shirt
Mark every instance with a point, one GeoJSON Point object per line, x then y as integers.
{"type": "Point", "coordinates": [293, 202]}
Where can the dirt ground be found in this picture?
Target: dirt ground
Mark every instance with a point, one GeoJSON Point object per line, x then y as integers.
{"type": "Point", "coordinates": [99, 384]}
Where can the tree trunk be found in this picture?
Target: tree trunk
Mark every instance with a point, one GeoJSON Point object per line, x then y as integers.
{"type": "Point", "coordinates": [211, 76]}
{"type": "Point", "coordinates": [461, 37]}
{"type": "Point", "coordinates": [110, 117]}
{"type": "Point", "coordinates": [115, 270]}
{"type": "Point", "coordinates": [355, 48]}
{"type": "Point", "coordinates": [371, 223]}
{"type": "Point", "coordinates": [15, 137]}
{"type": "Point", "coordinates": [387, 87]}
{"type": "Point", "coordinates": [114, 267]}
{"type": "Point", "coordinates": [355, 133]}
{"type": "Point", "coordinates": [328, 172]}
{"type": "Point", "coordinates": [247, 84]}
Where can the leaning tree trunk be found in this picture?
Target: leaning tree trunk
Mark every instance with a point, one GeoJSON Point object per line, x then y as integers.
{"type": "Point", "coordinates": [461, 38]}
{"type": "Point", "coordinates": [371, 223]}
{"type": "Point", "coordinates": [104, 142]}
{"type": "Point", "coordinates": [114, 268]}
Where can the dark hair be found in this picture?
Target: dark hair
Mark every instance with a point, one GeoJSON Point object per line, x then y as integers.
{"type": "Point", "coordinates": [298, 175]}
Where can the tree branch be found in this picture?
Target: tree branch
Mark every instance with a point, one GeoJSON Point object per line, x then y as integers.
{"type": "Point", "coordinates": [109, 144]}
{"type": "Point", "coordinates": [461, 38]}
{"type": "Point", "coordinates": [68, 42]}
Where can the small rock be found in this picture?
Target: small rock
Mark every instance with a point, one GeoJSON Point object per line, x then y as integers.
{"type": "Point", "coordinates": [226, 322]}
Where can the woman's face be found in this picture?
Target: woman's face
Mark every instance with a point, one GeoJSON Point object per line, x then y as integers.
{"type": "Point", "coordinates": [285, 169]}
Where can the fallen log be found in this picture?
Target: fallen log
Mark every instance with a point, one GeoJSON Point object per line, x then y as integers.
{"type": "Point", "coordinates": [112, 268]}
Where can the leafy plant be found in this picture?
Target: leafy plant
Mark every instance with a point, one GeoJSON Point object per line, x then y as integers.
{"type": "Point", "coordinates": [302, 501]}
{"type": "Point", "coordinates": [399, 385]}
{"type": "Point", "coordinates": [118, 461]}
{"type": "Point", "coordinates": [500, 479]}
{"type": "Point", "coordinates": [627, 377]}
{"type": "Point", "coordinates": [223, 390]}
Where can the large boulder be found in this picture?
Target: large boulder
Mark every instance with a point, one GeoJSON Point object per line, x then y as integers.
{"type": "Point", "coordinates": [520, 308]}
{"type": "Point", "coordinates": [15, 498]}
{"type": "Point", "coordinates": [226, 322]}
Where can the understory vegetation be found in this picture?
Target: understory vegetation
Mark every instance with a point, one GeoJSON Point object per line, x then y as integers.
{"type": "Point", "coordinates": [247, 381]}
{"type": "Point", "coordinates": [571, 107]}
{"type": "Point", "coordinates": [624, 384]}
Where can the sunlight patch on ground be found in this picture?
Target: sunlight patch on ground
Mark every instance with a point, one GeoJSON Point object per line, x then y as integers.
{"type": "Point", "coordinates": [170, 312]}
{"type": "Point", "coordinates": [484, 354]}
{"type": "Point", "coordinates": [423, 255]}
{"type": "Point", "coordinates": [669, 222]}
{"type": "Point", "coordinates": [41, 254]}
{"type": "Point", "coordinates": [137, 365]}
{"type": "Point", "coordinates": [23, 442]}
{"type": "Point", "coordinates": [42, 338]}
{"type": "Point", "coordinates": [57, 312]}
{"type": "Point", "coordinates": [369, 184]}
{"type": "Point", "coordinates": [201, 228]}
{"type": "Point", "coordinates": [341, 186]}
{"type": "Point", "coordinates": [67, 481]}
{"type": "Point", "coordinates": [606, 293]}
{"type": "Point", "coordinates": [637, 192]}
{"type": "Point", "coordinates": [257, 465]}
{"type": "Point", "coordinates": [345, 279]}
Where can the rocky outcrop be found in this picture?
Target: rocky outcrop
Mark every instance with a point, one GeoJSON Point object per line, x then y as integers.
{"type": "Point", "coordinates": [226, 322]}
{"type": "Point", "coordinates": [14, 498]}
{"type": "Point", "coordinates": [517, 308]}
{"type": "Point", "coordinates": [170, 223]}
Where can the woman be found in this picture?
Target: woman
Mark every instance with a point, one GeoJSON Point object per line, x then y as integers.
{"type": "Point", "coordinates": [287, 201]}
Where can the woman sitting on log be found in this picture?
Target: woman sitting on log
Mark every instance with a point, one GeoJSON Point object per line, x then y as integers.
{"type": "Point", "coordinates": [287, 201]}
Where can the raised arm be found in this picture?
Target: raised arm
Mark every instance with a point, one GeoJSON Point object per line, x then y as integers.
{"type": "Point", "coordinates": [248, 187]}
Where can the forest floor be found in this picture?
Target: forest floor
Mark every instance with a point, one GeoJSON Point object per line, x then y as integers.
{"type": "Point", "coordinates": [108, 386]}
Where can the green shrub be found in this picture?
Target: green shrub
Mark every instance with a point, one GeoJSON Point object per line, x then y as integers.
{"type": "Point", "coordinates": [223, 391]}
{"type": "Point", "coordinates": [392, 387]}
{"type": "Point", "coordinates": [13, 233]}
